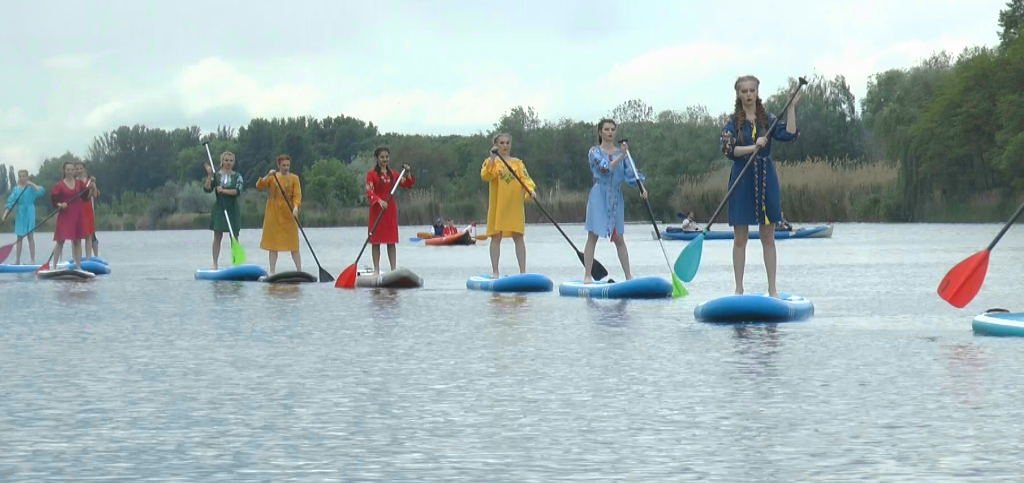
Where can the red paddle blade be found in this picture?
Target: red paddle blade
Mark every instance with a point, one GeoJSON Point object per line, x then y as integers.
{"type": "Point", "coordinates": [45, 266]}
{"type": "Point", "coordinates": [964, 281]}
{"type": "Point", "coordinates": [5, 251]}
{"type": "Point", "coordinates": [347, 279]}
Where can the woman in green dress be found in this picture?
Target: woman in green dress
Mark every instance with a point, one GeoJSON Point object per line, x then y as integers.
{"type": "Point", "coordinates": [228, 185]}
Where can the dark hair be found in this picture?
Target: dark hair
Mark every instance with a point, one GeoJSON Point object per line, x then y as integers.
{"type": "Point", "coordinates": [80, 163]}
{"type": "Point", "coordinates": [740, 117]}
{"type": "Point", "coordinates": [283, 157]}
{"type": "Point", "coordinates": [22, 171]}
{"type": "Point", "coordinates": [64, 167]}
{"type": "Point", "coordinates": [376, 165]}
{"type": "Point", "coordinates": [600, 125]}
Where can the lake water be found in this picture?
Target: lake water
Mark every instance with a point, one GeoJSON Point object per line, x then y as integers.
{"type": "Point", "coordinates": [148, 375]}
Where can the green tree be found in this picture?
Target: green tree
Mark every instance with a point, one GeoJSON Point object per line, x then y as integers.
{"type": "Point", "coordinates": [1010, 20]}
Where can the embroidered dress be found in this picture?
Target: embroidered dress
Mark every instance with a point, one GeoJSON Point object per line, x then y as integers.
{"type": "Point", "coordinates": [280, 231]}
{"type": "Point", "coordinates": [757, 199]}
{"type": "Point", "coordinates": [506, 213]}
{"type": "Point", "coordinates": [226, 203]}
{"type": "Point", "coordinates": [379, 188]}
{"type": "Point", "coordinates": [606, 205]}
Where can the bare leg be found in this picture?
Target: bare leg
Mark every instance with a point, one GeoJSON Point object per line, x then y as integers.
{"type": "Point", "coordinates": [495, 254]}
{"type": "Point", "coordinates": [739, 254]}
{"type": "Point", "coordinates": [375, 250]}
{"type": "Point", "coordinates": [767, 233]}
{"type": "Point", "coordinates": [76, 251]}
{"type": "Point", "coordinates": [58, 250]}
{"type": "Point", "coordinates": [588, 256]}
{"type": "Point", "coordinates": [620, 246]}
{"type": "Point", "coordinates": [520, 251]}
{"type": "Point", "coordinates": [297, 258]}
{"type": "Point", "coordinates": [95, 246]}
{"type": "Point", "coordinates": [88, 245]}
{"type": "Point", "coordinates": [273, 262]}
{"type": "Point", "coordinates": [31, 247]}
{"type": "Point", "coordinates": [217, 237]}
{"type": "Point", "coordinates": [17, 251]}
{"type": "Point", "coordinates": [392, 256]}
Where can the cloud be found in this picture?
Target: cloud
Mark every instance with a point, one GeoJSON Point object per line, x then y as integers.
{"type": "Point", "coordinates": [17, 156]}
{"type": "Point", "coordinates": [69, 62]}
{"type": "Point", "coordinates": [13, 118]}
{"type": "Point", "coordinates": [99, 116]}
{"type": "Point", "coordinates": [672, 65]}
{"type": "Point", "coordinates": [213, 83]}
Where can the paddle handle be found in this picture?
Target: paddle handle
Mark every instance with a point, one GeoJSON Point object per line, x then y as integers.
{"type": "Point", "coordinates": [1005, 227]}
{"type": "Point", "coordinates": [381, 215]}
{"type": "Point", "coordinates": [753, 156]}
{"type": "Point", "coordinates": [231, 231]}
{"type": "Point", "coordinates": [542, 210]}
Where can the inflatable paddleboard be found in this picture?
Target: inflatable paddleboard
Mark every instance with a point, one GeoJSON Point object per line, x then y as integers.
{"type": "Point", "coordinates": [91, 266]}
{"type": "Point", "coordinates": [401, 278]}
{"type": "Point", "coordinates": [289, 277]}
{"type": "Point", "coordinates": [241, 273]}
{"type": "Point", "coordinates": [65, 274]}
{"type": "Point", "coordinates": [673, 233]}
{"type": "Point", "coordinates": [638, 288]}
{"type": "Point", "coordinates": [754, 308]}
{"type": "Point", "coordinates": [999, 323]}
{"type": "Point", "coordinates": [5, 268]}
{"type": "Point", "coordinates": [523, 282]}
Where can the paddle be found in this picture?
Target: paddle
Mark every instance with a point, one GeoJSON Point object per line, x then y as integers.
{"type": "Point", "coordinates": [678, 289]}
{"type": "Point", "coordinates": [688, 260]}
{"type": "Point", "coordinates": [347, 279]}
{"type": "Point", "coordinates": [324, 276]}
{"type": "Point", "coordinates": [597, 271]}
{"type": "Point", "coordinates": [237, 253]}
{"type": "Point", "coordinates": [5, 251]}
{"type": "Point", "coordinates": [963, 281]}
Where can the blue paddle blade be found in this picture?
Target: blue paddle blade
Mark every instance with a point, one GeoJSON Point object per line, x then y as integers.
{"type": "Point", "coordinates": [688, 260]}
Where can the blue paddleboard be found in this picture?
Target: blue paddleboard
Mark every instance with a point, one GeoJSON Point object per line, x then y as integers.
{"type": "Point", "coordinates": [5, 268]}
{"type": "Point", "coordinates": [754, 308]}
{"type": "Point", "coordinates": [524, 282]}
{"type": "Point", "coordinates": [638, 288]}
{"type": "Point", "coordinates": [87, 265]}
{"type": "Point", "coordinates": [244, 273]}
{"type": "Point", "coordinates": [999, 323]}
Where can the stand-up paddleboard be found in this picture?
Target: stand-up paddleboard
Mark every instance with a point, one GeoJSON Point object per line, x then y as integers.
{"type": "Point", "coordinates": [65, 274]}
{"type": "Point", "coordinates": [97, 260]}
{"type": "Point", "coordinates": [523, 282]}
{"type": "Point", "coordinates": [91, 266]}
{"type": "Point", "coordinates": [999, 322]}
{"type": "Point", "coordinates": [754, 308]}
{"type": "Point", "coordinates": [242, 273]}
{"type": "Point", "coordinates": [400, 278]}
{"type": "Point", "coordinates": [638, 288]}
{"type": "Point", "coordinates": [5, 268]}
{"type": "Point", "coordinates": [289, 277]}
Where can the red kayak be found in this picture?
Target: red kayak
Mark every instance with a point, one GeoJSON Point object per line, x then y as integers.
{"type": "Point", "coordinates": [456, 239]}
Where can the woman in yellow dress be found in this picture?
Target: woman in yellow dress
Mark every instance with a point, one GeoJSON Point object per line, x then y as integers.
{"type": "Point", "coordinates": [506, 213]}
{"type": "Point", "coordinates": [280, 226]}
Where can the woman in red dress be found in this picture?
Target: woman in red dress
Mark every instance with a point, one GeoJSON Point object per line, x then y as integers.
{"type": "Point", "coordinates": [379, 182]}
{"type": "Point", "coordinates": [67, 194]}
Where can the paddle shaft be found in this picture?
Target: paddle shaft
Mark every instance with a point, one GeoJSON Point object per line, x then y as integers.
{"type": "Point", "coordinates": [290, 207]}
{"type": "Point", "coordinates": [379, 216]}
{"type": "Point", "coordinates": [650, 211]}
{"type": "Point", "coordinates": [753, 156]}
{"type": "Point", "coordinates": [534, 198]}
{"type": "Point", "coordinates": [1005, 227]}
{"type": "Point", "coordinates": [231, 231]}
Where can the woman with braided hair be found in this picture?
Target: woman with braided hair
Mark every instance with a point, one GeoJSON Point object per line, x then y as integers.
{"type": "Point", "coordinates": [757, 199]}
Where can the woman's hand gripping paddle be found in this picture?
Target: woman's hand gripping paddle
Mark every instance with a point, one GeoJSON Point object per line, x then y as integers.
{"type": "Point", "coordinates": [5, 251]}
{"type": "Point", "coordinates": [347, 279]}
{"type": "Point", "coordinates": [237, 253]}
{"type": "Point", "coordinates": [688, 260]}
{"type": "Point", "coordinates": [963, 281]}
{"type": "Point", "coordinates": [678, 289]}
{"type": "Point", "coordinates": [324, 276]}
{"type": "Point", "coordinates": [597, 271]}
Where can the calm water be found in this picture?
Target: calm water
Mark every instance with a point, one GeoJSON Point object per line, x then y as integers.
{"type": "Point", "coordinates": [147, 374]}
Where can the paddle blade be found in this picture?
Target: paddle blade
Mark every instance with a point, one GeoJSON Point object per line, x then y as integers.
{"type": "Point", "coordinates": [415, 239]}
{"type": "Point", "coordinates": [963, 281]}
{"type": "Point", "coordinates": [237, 253]}
{"type": "Point", "coordinates": [597, 271]}
{"type": "Point", "coordinates": [45, 266]}
{"type": "Point", "coordinates": [5, 251]}
{"type": "Point", "coordinates": [678, 289]}
{"type": "Point", "coordinates": [324, 276]}
{"type": "Point", "coordinates": [688, 260]}
{"type": "Point", "coordinates": [347, 279]}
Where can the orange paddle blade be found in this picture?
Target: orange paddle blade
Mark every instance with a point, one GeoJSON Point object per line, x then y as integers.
{"type": "Point", "coordinates": [347, 279]}
{"type": "Point", "coordinates": [964, 280]}
{"type": "Point", "coordinates": [45, 266]}
{"type": "Point", "coordinates": [5, 251]}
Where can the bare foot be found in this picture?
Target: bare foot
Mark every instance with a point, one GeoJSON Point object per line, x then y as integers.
{"type": "Point", "coordinates": [739, 291]}
{"type": "Point", "coordinates": [774, 294]}
{"type": "Point", "coordinates": [587, 280]}
{"type": "Point", "coordinates": [376, 274]}
{"type": "Point", "coordinates": [494, 276]}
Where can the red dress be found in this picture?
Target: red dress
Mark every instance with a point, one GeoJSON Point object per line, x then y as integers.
{"type": "Point", "coordinates": [379, 188]}
{"type": "Point", "coordinates": [70, 220]}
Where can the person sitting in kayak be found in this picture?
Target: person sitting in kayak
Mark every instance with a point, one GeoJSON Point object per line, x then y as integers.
{"type": "Point", "coordinates": [438, 227]}
{"type": "Point", "coordinates": [689, 224]}
{"type": "Point", "coordinates": [783, 225]}
{"type": "Point", "coordinates": [449, 228]}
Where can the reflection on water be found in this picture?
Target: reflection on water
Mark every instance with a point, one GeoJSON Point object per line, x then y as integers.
{"type": "Point", "coordinates": [226, 291]}
{"type": "Point", "coordinates": [285, 291]}
{"type": "Point", "coordinates": [75, 292]}
{"type": "Point", "coordinates": [610, 313]}
{"type": "Point", "coordinates": [758, 345]}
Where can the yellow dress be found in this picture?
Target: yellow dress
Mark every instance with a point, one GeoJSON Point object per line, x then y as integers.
{"type": "Point", "coordinates": [280, 230]}
{"type": "Point", "coordinates": [506, 213]}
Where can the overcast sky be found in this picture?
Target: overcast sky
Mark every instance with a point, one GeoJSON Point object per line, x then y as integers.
{"type": "Point", "coordinates": [72, 70]}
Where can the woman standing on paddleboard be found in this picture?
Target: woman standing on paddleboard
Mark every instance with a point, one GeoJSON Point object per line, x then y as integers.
{"type": "Point", "coordinates": [88, 210]}
{"type": "Point", "coordinates": [68, 195]}
{"type": "Point", "coordinates": [24, 195]}
{"type": "Point", "coordinates": [280, 229]}
{"type": "Point", "coordinates": [379, 182]}
{"type": "Point", "coordinates": [757, 199]}
{"type": "Point", "coordinates": [606, 205]}
{"type": "Point", "coordinates": [506, 213]}
{"type": "Point", "coordinates": [228, 186]}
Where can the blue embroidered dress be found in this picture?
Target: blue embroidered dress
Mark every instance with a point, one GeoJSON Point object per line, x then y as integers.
{"type": "Point", "coordinates": [758, 195]}
{"type": "Point", "coordinates": [605, 207]}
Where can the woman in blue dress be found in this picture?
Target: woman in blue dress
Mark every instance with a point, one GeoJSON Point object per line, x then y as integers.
{"type": "Point", "coordinates": [605, 207]}
{"type": "Point", "coordinates": [24, 195]}
{"type": "Point", "coordinates": [757, 199]}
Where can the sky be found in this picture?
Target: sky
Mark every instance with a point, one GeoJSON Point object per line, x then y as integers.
{"type": "Point", "coordinates": [72, 70]}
